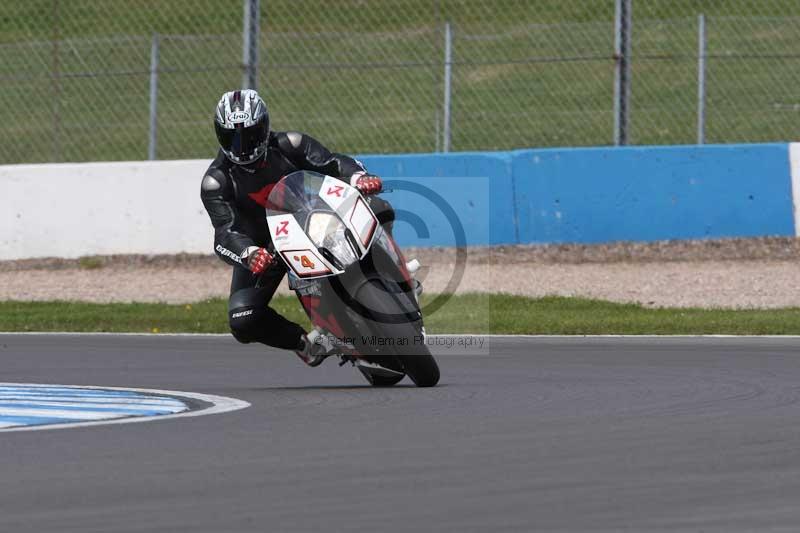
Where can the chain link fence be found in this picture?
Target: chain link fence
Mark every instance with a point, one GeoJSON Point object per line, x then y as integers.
{"type": "Point", "coordinates": [91, 80]}
{"type": "Point", "coordinates": [720, 72]}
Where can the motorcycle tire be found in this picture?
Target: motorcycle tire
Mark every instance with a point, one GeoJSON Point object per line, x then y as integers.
{"type": "Point", "coordinates": [380, 381]}
{"type": "Point", "coordinates": [415, 357]}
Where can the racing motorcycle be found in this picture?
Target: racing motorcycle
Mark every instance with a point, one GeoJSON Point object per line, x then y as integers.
{"type": "Point", "coordinates": [351, 278]}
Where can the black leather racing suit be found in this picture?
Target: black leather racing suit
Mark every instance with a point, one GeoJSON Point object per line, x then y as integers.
{"type": "Point", "coordinates": [235, 198]}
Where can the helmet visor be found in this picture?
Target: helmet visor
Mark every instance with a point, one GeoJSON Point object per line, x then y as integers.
{"type": "Point", "coordinates": [242, 144]}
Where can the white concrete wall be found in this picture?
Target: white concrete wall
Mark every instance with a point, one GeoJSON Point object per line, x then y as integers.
{"type": "Point", "coordinates": [76, 209]}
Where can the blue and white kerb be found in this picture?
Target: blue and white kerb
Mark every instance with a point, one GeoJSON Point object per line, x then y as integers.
{"type": "Point", "coordinates": [33, 406]}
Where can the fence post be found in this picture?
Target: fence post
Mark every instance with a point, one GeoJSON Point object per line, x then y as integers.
{"type": "Point", "coordinates": [153, 136]}
{"type": "Point", "coordinates": [250, 27]}
{"type": "Point", "coordinates": [448, 73]}
{"type": "Point", "coordinates": [56, 83]}
{"type": "Point", "coordinates": [622, 79]}
{"type": "Point", "coordinates": [437, 126]}
{"type": "Point", "coordinates": [701, 79]}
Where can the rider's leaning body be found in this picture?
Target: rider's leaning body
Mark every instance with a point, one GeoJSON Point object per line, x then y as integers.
{"type": "Point", "coordinates": [234, 191]}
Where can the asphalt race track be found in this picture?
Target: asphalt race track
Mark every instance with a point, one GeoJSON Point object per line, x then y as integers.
{"type": "Point", "coordinates": [535, 435]}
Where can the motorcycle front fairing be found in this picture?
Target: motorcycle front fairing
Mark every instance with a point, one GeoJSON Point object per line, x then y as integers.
{"type": "Point", "coordinates": [332, 244]}
{"type": "Point", "coordinates": [319, 225]}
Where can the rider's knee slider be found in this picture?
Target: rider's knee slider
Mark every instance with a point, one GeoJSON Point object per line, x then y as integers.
{"type": "Point", "coordinates": [247, 314]}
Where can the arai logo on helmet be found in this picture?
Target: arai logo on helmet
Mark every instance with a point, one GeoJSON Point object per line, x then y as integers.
{"type": "Point", "coordinates": [238, 117]}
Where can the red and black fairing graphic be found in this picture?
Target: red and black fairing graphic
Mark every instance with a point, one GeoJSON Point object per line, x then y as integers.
{"type": "Point", "coordinates": [401, 264]}
{"type": "Point", "coordinates": [260, 197]}
{"type": "Point", "coordinates": [323, 317]}
{"type": "Point", "coordinates": [270, 196]}
{"type": "Point", "coordinates": [329, 323]}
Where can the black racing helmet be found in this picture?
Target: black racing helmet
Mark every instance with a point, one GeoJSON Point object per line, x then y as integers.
{"type": "Point", "coordinates": [242, 126]}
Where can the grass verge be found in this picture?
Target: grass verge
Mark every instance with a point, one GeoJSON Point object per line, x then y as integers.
{"type": "Point", "coordinates": [471, 313]}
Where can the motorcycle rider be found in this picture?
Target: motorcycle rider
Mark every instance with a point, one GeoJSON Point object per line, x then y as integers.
{"type": "Point", "coordinates": [251, 160]}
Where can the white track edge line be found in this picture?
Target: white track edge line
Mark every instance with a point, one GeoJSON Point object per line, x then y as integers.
{"type": "Point", "coordinates": [468, 335]}
{"type": "Point", "coordinates": [219, 404]}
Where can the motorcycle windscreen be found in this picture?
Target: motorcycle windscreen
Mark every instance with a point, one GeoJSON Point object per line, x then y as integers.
{"type": "Point", "coordinates": [296, 193]}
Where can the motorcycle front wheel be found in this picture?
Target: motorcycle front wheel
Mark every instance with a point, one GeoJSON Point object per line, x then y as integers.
{"type": "Point", "coordinates": [395, 337]}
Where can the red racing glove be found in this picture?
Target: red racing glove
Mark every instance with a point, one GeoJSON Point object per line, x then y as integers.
{"type": "Point", "coordinates": [367, 184]}
{"type": "Point", "coordinates": [259, 260]}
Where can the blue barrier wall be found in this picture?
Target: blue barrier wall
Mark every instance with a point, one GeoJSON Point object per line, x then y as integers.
{"type": "Point", "coordinates": [478, 187]}
{"type": "Point", "coordinates": [590, 195]}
